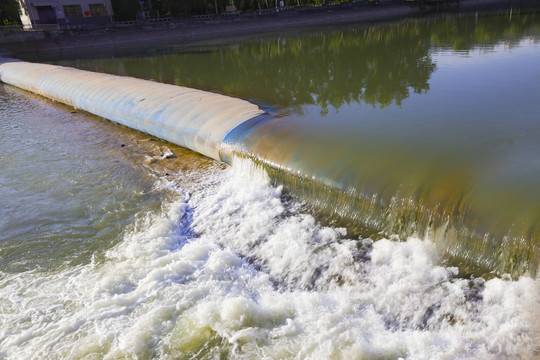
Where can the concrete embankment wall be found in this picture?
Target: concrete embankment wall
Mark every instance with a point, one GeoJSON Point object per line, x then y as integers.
{"type": "Point", "coordinates": [195, 119]}
{"type": "Point", "coordinates": [16, 37]}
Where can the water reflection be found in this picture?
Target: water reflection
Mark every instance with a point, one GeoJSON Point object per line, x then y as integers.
{"type": "Point", "coordinates": [376, 65]}
{"type": "Point", "coordinates": [321, 69]}
{"type": "Point", "coordinates": [426, 127]}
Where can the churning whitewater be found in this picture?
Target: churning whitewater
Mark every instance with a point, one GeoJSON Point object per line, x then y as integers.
{"type": "Point", "coordinates": [236, 269]}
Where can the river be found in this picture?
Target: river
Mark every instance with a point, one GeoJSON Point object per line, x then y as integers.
{"type": "Point", "coordinates": [386, 206]}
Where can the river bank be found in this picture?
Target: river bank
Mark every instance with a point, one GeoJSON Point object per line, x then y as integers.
{"type": "Point", "coordinates": [188, 29]}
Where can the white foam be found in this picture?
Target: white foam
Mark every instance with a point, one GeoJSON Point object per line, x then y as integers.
{"type": "Point", "coordinates": [233, 271]}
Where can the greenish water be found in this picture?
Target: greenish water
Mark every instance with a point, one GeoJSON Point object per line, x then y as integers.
{"type": "Point", "coordinates": [67, 215]}
{"type": "Point", "coordinates": [425, 127]}
{"type": "Point", "coordinates": [408, 154]}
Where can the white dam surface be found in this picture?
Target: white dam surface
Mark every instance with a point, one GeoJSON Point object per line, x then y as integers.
{"type": "Point", "coordinates": [195, 119]}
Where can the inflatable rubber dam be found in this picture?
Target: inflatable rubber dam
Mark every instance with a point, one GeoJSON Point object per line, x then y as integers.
{"type": "Point", "coordinates": [371, 193]}
{"type": "Point", "coordinates": [194, 119]}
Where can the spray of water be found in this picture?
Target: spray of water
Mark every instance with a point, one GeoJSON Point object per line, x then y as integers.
{"type": "Point", "coordinates": [236, 270]}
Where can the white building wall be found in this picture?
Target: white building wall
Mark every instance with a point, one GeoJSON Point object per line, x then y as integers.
{"type": "Point", "coordinates": [30, 15]}
{"type": "Point", "coordinates": [26, 16]}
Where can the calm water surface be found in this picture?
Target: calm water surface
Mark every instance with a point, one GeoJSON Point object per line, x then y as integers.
{"type": "Point", "coordinates": [422, 135]}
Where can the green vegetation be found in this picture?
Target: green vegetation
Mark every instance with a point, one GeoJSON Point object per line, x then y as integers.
{"type": "Point", "coordinates": [9, 13]}
{"type": "Point", "coordinates": [127, 9]}
{"type": "Point", "coordinates": [327, 68]}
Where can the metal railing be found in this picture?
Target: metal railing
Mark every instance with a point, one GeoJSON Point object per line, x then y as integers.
{"type": "Point", "coordinates": [125, 23]}
{"type": "Point", "coordinates": [164, 20]}
{"type": "Point", "coordinates": [159, 20]}
{"type": "Point", "coordinates": [203, 17]}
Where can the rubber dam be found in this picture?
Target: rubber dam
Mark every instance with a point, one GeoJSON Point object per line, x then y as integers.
{"type": "Point", "coordinates": [194, 119]}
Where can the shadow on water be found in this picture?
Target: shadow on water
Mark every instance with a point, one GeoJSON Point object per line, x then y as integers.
{"type": "Point", "coordinates": [373, 128]}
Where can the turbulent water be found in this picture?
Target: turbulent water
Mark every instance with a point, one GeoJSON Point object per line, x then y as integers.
{"type": "Point", "coordinates": [116, 245]}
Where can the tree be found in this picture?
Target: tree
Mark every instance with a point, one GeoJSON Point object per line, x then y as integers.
{"type": "Point", "coordinates": [125, 10]}
{"type": "Point", "coordinates": [9, 12]}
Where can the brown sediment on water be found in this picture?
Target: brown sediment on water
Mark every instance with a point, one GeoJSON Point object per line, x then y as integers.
{"type": "Point", "coordinates": [189, 30]}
